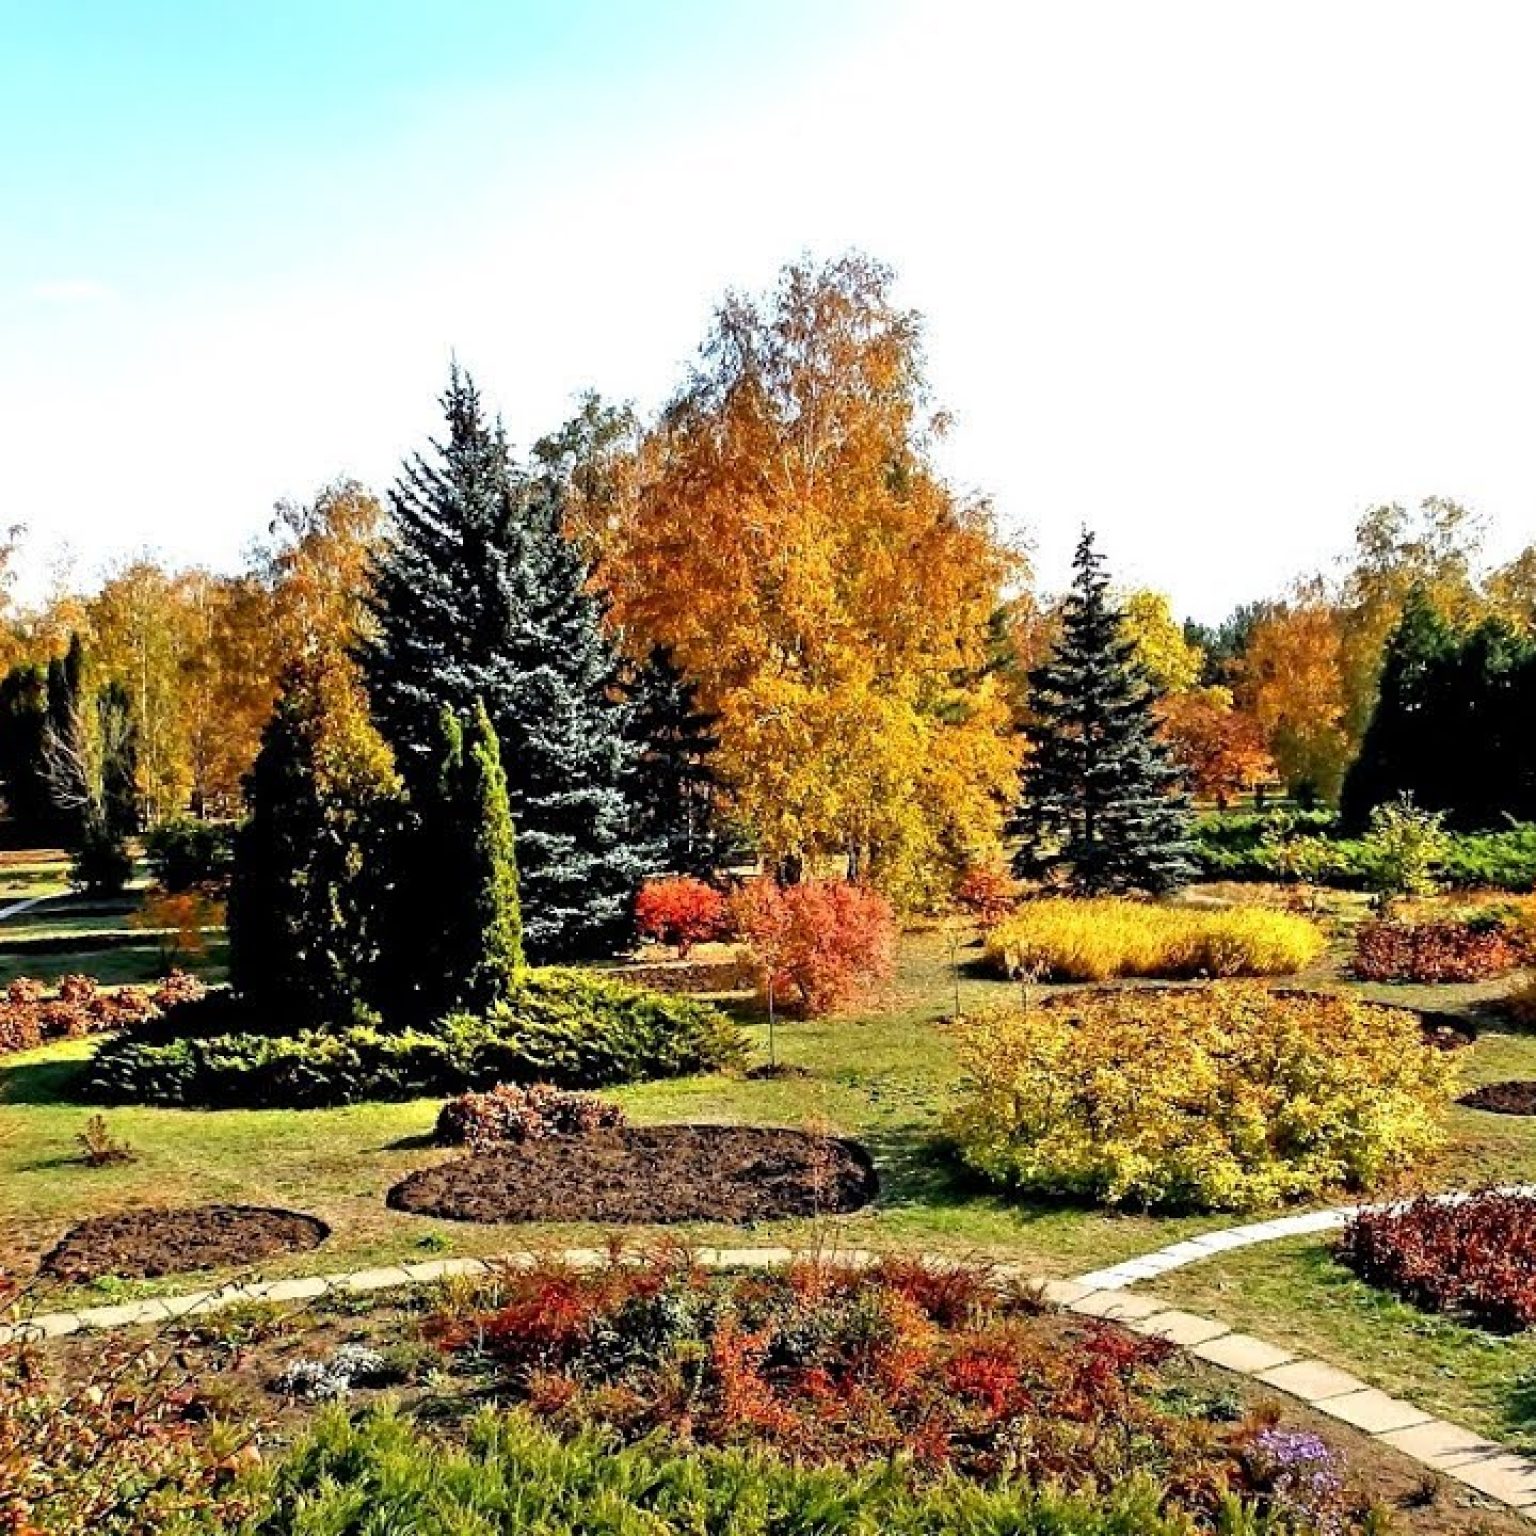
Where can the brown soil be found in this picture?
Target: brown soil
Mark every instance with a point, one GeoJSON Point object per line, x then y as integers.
{"type": "Point", "coordinates": [143, 1244]}
{"type": "Point", "coordinates": [660, 1173]}
{"type": "Point", "coordinates": [1514, 1098]}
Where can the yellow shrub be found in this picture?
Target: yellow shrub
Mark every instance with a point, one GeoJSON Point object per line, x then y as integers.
{"type": "Point", "coordinates": [1521, 1003]}
{"type": "Point", "coordinates": [1226, 1097]}
{"type": "Point", "coordinates": [1095, 940]}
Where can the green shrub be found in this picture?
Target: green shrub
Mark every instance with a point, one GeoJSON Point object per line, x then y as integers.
{"type": "Point", "coordinates": [343, 1477]}
{"type": "Point", "coordinates": [1226, 1097]}
{"type": "Point", "coordinates": [1094, 940]}
{"type": "Point", "coordinates": [567, 1027]}
{"type": "Point", "coordinates": [187, 854]}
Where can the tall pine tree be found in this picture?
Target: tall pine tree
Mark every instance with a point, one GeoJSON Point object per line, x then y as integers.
{"type": "Point", "coordinates": [481, 596]}
{"type": "Point", "coordinates": [673, 785]}
{"type": "Point", "coordinates": [1100, 799]}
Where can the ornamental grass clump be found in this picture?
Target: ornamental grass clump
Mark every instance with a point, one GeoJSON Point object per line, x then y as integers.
{"type": "Point", "coordinates": [1060, 939]}
{"type": "Point", "coordinates": [1226, 1097]}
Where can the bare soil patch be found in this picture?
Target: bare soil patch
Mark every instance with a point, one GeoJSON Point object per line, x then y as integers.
{"type": "Point", "coordinates": [147, 1243]}
{"type": "Point", "coordinates": [649, 1174]}
{"type": "Point", "coordinates": [1512, 1098]}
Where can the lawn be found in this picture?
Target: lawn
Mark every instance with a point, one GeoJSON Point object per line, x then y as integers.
{"type": "Point", "coordinates": [882, 1074]}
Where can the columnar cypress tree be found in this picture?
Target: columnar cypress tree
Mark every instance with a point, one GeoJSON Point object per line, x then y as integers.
{"type": "Point", "coordinates": [470, 932]}
{"type": "Point", "coordinates": [673, 784]}
{"type": "Point", "coordinates": [1100, 800]}
{"type": "Point", "coordinates": [481, 597]}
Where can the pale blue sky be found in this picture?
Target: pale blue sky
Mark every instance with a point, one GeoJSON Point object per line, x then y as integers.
{"type": "Point", "coordinates": [1209, 277]}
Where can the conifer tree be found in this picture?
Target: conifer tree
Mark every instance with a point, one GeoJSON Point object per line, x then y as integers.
{"type": "Point", "coordinates": [673, 785]}
{"type": "Point", "coordinates": [480, 595]}
{"type": "Point", "coordinates": [470, 932]}
{"type": "Point", "coordinates": [1100, 800]}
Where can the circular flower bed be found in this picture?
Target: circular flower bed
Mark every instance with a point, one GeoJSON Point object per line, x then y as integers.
{"type": "Point", "coordinates": [660, 1173]}
{"type": "Point", "coordinates": [1512, 1098]}
{"type": "Point", "coordinates": [143, 1244]}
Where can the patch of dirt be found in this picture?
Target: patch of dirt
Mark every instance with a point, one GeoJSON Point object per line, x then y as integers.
{"type": "Point", "coordinates": [136, 1245]}
{"type": "Point", "coordinates": [657, 1173]}
{"type": "Point", "coordinates": [1512, 1098]}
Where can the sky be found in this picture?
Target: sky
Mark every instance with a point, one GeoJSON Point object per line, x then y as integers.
{"type": "Point", "coordinates": [1210, 278]}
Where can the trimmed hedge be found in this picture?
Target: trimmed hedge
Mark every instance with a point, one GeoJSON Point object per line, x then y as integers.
{"type": "Point", "coordinates": [566, 1027]}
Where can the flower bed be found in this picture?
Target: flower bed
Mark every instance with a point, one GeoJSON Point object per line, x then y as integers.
{"type": "Point", "coordinates": [1474, 1258]}
{"type": "Point", "coordinates": [1436, 951]}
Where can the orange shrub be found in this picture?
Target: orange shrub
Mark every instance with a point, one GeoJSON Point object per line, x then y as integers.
{"type": "Point", "coordinates": [819, 943]}
{"type": "Point", "coordinates": [680, 911]}
{"type": "Point", "coordinates": [988, 892]}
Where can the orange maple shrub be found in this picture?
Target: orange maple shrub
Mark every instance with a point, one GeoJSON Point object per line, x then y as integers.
{"type": "Point", "coordinates": [680, 911]}
{"type": "Point", "coordinates": [819, 943]}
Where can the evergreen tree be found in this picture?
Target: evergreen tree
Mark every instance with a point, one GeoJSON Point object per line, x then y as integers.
{"type": "Point", "coordinates": [480, 596]}
{"type": "Point", "coordinates": [306, 898]}
{"type": "Point", "coordinates": [470, 933]}
{"type": "Point", "coordinates": [23, 774]}
{"type": "Point", "coordinates": [1100, 801]}
{"type": "Point", "coordinates": [673, 784]}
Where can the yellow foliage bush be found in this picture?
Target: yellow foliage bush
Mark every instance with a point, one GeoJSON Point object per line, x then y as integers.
{"type": "Point", "coordinates": [1060, 939]}
{"type": "Point", "coordinates": [1521, 1003]}
{"type": "Point", "coordinates": [1226, 1097]}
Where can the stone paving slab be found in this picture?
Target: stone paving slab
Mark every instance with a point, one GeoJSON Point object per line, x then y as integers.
{"type": "Point", "coordinates": [1183, 1328]}
{"type": "Point", "coordinates": [1440, 1445]}
{"type": "Point", "coordinates": [1243, 1353]}
{"type": "Point", "coordinates": [1509, 1478]}
{"type": "Point", "coordinates": [1373, 1411]}
{"type": "Point", "coordinates": [1311, 1380]}
{"type": "Point", "coordinates": [1116, 1305]}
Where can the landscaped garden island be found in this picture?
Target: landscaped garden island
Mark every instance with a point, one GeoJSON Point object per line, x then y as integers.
{"type": "Point", "coordinates": [637, 1041]}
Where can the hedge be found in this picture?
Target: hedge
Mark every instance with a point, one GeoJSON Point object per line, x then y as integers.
{"type": "Point", "coordinates": [566, 1027]}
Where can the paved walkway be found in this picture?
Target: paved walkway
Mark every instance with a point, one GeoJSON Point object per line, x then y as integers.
{"type": "Point", "coordinates": [1445, 1448]}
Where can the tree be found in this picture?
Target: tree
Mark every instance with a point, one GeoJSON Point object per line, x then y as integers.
{"type": "Point", "coordinates": [789, 540]}
{"type": "Point", "coordinates": [1160, 646]}
{"type": "Point", "coordinates": [1100, 802]}
{"type": "Point", "coordinates": [1221, 750]}
{"type": "Point", "coordinates": [480, 596]}
{"type": "Point", "coordinates": [307, 904]}
{"type": "Point", "coordinates": [466, 921]}
{"type": "Point", "coordinates": [673, 786]}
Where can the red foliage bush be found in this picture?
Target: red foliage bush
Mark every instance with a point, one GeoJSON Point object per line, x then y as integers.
{"type": "Point", "coordinates": [510, 1112]}
{"type": "Point", "coordinates": [819, 943]}
{"type": "Point", "coordinates": [1474, 1257]}
{"type": "Point", "coordinates": [680, 911]}
{"type": "Point", "coordinates": [988, 892]}
{"type": "Point", "coordinates": [1435, 951]}
{"type": "Point", "coordinates": [31, 1016]}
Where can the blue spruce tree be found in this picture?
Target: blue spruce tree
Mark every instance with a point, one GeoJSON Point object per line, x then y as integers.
{"type": "Point", "coordinates": [480, 596]}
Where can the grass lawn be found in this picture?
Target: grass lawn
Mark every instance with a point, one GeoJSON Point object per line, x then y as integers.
{"type": "Point", "coordinates": [882, 1075]}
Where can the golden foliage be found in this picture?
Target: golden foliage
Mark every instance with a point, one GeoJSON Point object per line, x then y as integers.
{"type": "Point", "coordinates": [1170, 662]}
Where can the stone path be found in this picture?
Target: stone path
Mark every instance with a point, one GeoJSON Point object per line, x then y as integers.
{"type": "Point", "coordinates": [1445, 1448]}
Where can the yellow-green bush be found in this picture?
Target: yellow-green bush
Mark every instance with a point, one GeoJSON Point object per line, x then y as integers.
{"type": "Point", "coordinates": [1226, 1097]}
{"type": "Point", "coordinates": [1094, 940]}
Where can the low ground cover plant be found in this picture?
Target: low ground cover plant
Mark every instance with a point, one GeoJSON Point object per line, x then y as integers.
{"type": "Point", "coordinates": [32, 1013]}
{"type": "Point", "coordinates": [818, 944]}
{"type": "Point", "coordinates": [682, 912]}
{"type": "Point", "coordinates": [937, 1370]}
{"type": "Point", "coordinates": [1474, 1257]}
{"type": "Point", "coordinates": [1476, 949]}
{"type": "Point", "coordinates": [1226, 1097]}
{"type": "Point", "coordinates": [1062, 939]}
{"type": "Point", "coordinates": [512, 1112]}
{"type": "Point", "coordinates": [570, 1028]}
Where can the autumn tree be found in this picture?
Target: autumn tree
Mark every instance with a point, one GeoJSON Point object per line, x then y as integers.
{"type": "Point", "coordinates": [789, 540]}
{"type": "Point", "coordinates": [1160, 647]}
{"type": "Point", "coordinates": [1220, 750]}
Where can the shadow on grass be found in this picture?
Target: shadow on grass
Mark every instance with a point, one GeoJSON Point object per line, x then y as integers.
{"type": "Point", "coordinates": [43, 1082]}
{"type": "Point", "coordinates": [416, 1143]}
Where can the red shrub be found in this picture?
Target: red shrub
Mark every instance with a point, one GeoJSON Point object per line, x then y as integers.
{"type": "Point", "coordinates": [30, 1016]}
{"type": "Point", "coordinates": [680, 911]}
{"type": "Point", "coordinates": [1474, 1257]}
{"type": "Point", "coordinates": [1434, 951]}
{"type": "Point", "coordinates": [820, 943]}
{"type": "Point", "coordinates": [510, 1112]}
{"type": "Point", "coordinates": [988, 892]}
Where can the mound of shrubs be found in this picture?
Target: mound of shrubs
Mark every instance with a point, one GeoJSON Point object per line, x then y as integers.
{"type": "Point", "coordinates": [1450, 949]}
{"type": "Point", "coordinates": [32, 1014]}
{"type": "Point", "coordinates": [1227, 1097]}
{"type": "Point", "coordinates": [1473, 1257]}
{"type": "Point", "coordinates": [570, 1028]}
{"type": "Point", "coordinates": [1062, 939]}
{"type": "Point", "coordinates": [682, 912]}
{"type": "Point", "coordinates": [512, 1113]}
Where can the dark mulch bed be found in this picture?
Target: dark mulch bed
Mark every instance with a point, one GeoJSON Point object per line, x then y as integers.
{"type": "Point", "coordinates": [1513, 1098]}
{"type": "Point", "coordinates": [658, 1173]}
{"type": "Point", "coordinates": [143, 1244]}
